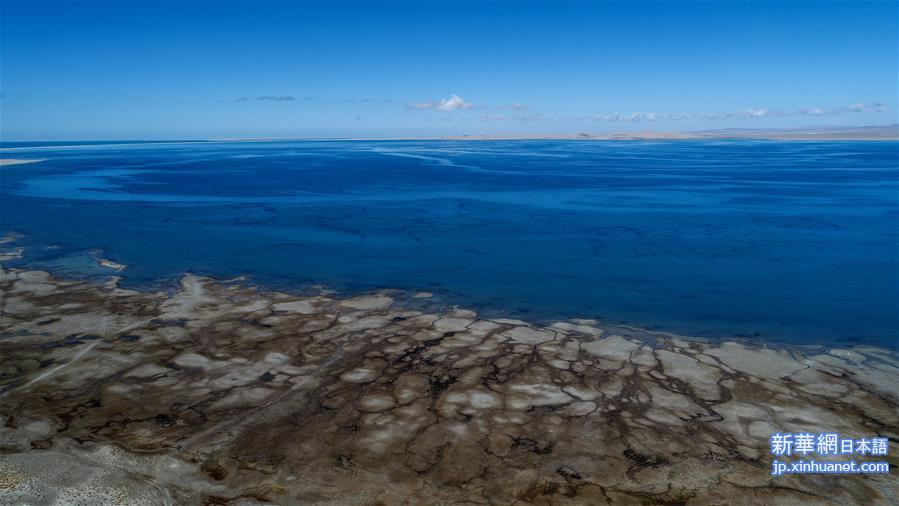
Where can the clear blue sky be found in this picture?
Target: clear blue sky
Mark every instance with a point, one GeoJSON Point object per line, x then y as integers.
{"type": "Point", "coordinates": [76, 70]}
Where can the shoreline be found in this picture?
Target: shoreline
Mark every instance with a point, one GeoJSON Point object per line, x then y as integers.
{"type": "Point", "coordinates": [416, 300]}
{"type": "Point", "coordinates": [115, 270]}
{"type": "Point", "coordinates": [13, 256]}
{"type": "Point", "coordinates": [220, 389]}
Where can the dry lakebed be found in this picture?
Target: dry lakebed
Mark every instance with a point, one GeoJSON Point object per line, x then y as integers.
{"type": "Point", "coordinates": [221, 393]}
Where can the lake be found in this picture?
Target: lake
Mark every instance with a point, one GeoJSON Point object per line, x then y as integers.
{"type": "Point", "coordinates": [779, 241]}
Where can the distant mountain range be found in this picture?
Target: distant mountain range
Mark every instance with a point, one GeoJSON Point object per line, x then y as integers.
{"type": "Point", "coordinates": [879, 132]}
{"type": "Point", "coordinates": [865, 132]}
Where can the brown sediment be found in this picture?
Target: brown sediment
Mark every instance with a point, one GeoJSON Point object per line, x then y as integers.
{"type": "Point", "coordinates": [223, 393]}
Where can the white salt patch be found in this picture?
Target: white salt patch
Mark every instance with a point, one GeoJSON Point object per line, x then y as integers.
{"type": "Point", "coordinates": [368, 302]}
{"type": "Point", "coordinates": [359, 375]}
{"type": "Point", "coordinates": [528, 335]}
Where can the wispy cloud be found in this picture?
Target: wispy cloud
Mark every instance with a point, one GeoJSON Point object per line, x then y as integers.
{"type": "Point", "coordinates": [863, 107]}
{"type": "Point", "coordinates": [749, 113]}
{"type": "Point", "coordinates": [277, 98]}
{"type": "Point", "coordinates": [516, 117]}
{"type": "Point", "coordinates": [273, 98]}
{"type": "Point", "coordinates": [453, 103]}
{"type": "Point", "coordinates": [514, 106]}
{"type": "Point", "coordinates": [369, 100]}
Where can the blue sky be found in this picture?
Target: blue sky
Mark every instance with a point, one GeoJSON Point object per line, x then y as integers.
{"type": "Point", "coordinates": [128, 70]}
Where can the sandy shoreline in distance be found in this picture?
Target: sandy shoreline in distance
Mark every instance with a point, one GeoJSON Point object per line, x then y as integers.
{"type": "Point", "coordinates": [17, 161]}
{"type": "Point", "coordinates": [636, 136]}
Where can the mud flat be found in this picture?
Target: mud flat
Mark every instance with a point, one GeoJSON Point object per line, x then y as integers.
{"type": "Point", "coordinates": [220, 393]}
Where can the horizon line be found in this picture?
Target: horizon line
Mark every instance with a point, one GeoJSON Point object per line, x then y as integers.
{"type": "Point", "coordinates": [891, 133]}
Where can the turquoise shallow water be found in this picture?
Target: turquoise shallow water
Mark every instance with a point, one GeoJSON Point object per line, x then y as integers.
{"type": "Point", "coordinates": [792, 241]}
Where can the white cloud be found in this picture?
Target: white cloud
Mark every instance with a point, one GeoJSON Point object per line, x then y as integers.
{"type": "Point", "coordinates": [455, 102]}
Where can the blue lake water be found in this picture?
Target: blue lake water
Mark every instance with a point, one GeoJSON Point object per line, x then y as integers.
{"type": "Point", "coordinates": [786, 241]}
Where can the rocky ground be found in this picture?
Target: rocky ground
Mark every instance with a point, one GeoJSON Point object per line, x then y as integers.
{"type": "Point", "coordinates": [219, 393]}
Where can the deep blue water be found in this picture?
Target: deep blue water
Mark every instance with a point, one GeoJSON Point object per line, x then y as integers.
{"type": "Point", "coordinates": [792, 241]}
